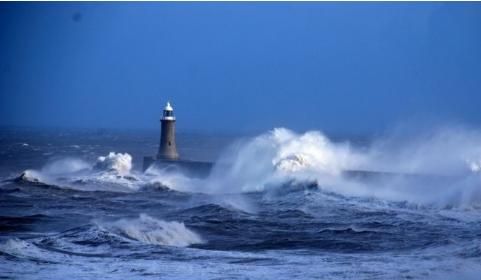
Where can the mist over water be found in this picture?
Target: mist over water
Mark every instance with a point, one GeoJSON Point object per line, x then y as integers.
{"type": "Point", "coordinates": [276, 205]}
{"type": "Point", "coordinates": [438, 168]}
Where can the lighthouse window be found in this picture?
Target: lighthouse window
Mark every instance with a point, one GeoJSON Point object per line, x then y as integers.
{"type": "Point", "coordinates": [169, 143]}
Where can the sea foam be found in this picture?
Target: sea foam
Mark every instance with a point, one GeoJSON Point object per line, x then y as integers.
{"type": "Point", "coordinates": [149, 230]}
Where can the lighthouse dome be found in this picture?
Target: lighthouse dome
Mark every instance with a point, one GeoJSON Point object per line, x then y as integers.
{"type": "Point", "coordinates": [168, 113]}
{"type": "Point", "coordinates": [168, 107]}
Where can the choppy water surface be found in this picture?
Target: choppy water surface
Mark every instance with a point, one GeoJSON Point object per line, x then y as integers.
{"type": "Point", "coordinates": [277, 206]}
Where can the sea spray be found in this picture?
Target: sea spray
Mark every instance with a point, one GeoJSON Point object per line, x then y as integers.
{"type": "Point", "coordinates": [333, 226]}
{"type": "Point", "coordinates": [448, 150]}
{"type": "Point", "coordinates": [118, 163]}
{"type": "Point", "coordinates": [173, 179]}
{"type": "Point", "coordinates": [437, 168]}
{"type": "Point", "coordinates": [65, 166]}
{"type": "Point", "coordinates": [109, 173]}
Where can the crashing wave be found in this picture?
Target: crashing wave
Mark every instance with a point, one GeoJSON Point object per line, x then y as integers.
{"type": "Point", "coordinates": [23, 249]}
{"type": "Point", "coordinates": [280, 156]}
{"type": "Point", "coordinates": [33, 177]}
{"type": "Point", "coordinates": [427, 169]}
{"type": "Point", "coordinates": [292, 163]}
{"type": "Point", "coordinates": [153, 231]}
{"type": "Point", "coordinates": [18, 247]}
{"type": "Point", "coordinates": [274, 159]}
{"type": "Point", "coordinates": [28, 176]}
{"type": "Point", "coordinates": [109, 173]}
{"type": "Point", "coordinates": [311, 150]}
{"type": "Point", "coordinates": [115, 162]}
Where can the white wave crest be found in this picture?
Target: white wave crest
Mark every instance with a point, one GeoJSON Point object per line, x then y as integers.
{"type": "Point", "coordinates": [277, 156]}
{"type": "Point", "coordinates": [109, 173]}
{"type": "Point", "coordinates": [33, 176]}
{"type": "Point", "coordinates": [446, 165]}
{"type": "Point", "coordinates": [28, 250]}
{"type": "Point", "coordinates": [439, 167]}
{"type": "Point", "coordinates": [20, 248]}
{"type": "Point", "coordinates": [115, 162]}
{"type": "Point", "coordinates": [311, 150]}
{"type": "Point", "coordinates": [153, 231]}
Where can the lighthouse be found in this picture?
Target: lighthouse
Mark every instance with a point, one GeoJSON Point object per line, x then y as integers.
{"type": "Point", "coordinates": [167, 158]}
{"type": "Point", "coordinates": [167, 148]}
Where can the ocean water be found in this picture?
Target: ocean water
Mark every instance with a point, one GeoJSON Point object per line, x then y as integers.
{"type": "Point", "coordinates": [279, 205]}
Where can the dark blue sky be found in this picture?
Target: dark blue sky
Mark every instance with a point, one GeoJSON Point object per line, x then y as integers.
{"type": "Point", "coordinates": [243, 67]}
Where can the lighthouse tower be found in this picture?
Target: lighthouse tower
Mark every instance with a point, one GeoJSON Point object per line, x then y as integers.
{"type": "Point", "coordinates": [167, 148]}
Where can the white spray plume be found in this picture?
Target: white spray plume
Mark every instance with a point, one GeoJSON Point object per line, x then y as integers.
{"type": "Point", "coordinates": [109, 173]}
{"type": "Point", "coordinates": [115, 162]}
{"type": "Point", "coordinates": [451, 155]}
{"type": "Point", "coordinates": [419, 164]}
{"type": "Point", "coordinates": [277, 156]}
{"type": "Point", "coordinates": [443, 151]}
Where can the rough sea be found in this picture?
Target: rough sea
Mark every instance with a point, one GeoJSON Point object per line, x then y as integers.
{"type": "Point", "coordinates": [281, 205]}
